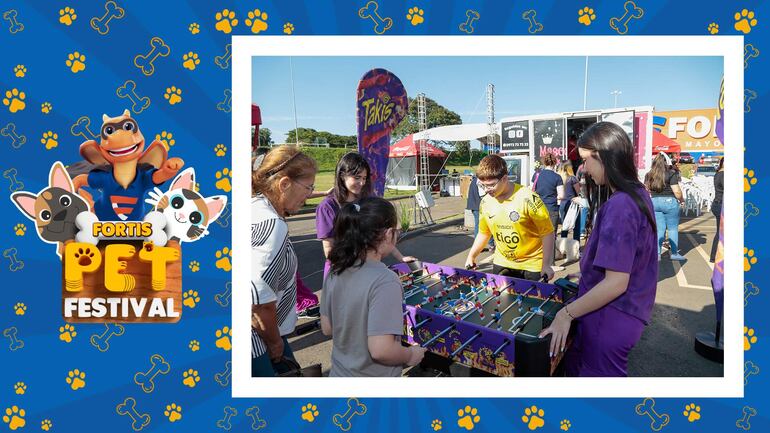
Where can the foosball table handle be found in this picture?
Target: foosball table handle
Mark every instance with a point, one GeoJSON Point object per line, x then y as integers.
{"type": "Point", "coordinates": [421, 324]}
{"type": "Point", "coordinates": [500, 349]}
{"type": "Point", "coordinates": [462, 347]}
{"type": "Point", "coordinates": [437, 336]}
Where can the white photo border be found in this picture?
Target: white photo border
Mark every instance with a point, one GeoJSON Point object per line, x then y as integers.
{"type": "Point", "coordinates": [728, 47]}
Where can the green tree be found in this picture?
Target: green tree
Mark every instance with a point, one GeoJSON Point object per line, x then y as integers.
{"type": "Point", "coordinates": [435, 113]}
{"type": "Point", "coordinates": [306, 135]}
{"type": "Point", "coordinates": [265, 139]}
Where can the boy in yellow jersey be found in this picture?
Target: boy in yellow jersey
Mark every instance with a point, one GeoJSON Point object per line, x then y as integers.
{"type": "Point", "coordinates": [519, 222]}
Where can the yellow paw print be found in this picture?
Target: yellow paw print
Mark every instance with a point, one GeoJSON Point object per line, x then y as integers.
{"type": "Point", "coordinates": [468, 417]}
{"type": "Point", "coordinates": [173, 412]}
{"type": "Point", "coordinates": [435, 424]}
{"type": "Point", "coordinates": [194, 28]}
{"type": "Point", "coordinates": [190, 298]}
{"type": "Point", "coordinates": [586, 16]}
{"type": "Point", "coordinates": [748, 179]}
{"type": "Point", "coordinates": [67, 333]}
{"type": "Point", "coordinates": [565, 424]}
{"type": "Point", "coordinates": [223, 338]}
{"type": "Point", "coordinates": [190, 61]}
{"type": "Point", "coordinates": [19, 308]}
{"type": "Point", "coordinates": [692, 412]}
{"type": "Point", "coordinates": [166, 138]}
{"type": "Point", "coordinates": [194, 266]}
{"type": "Point", "coordinates": [309, 412]}
{"type": "Point", "coordinates": [76, 379]}
{"type": "Point", "coordinates": [14, 417]}
{"type": "Point", "coordinates": [173, 95]}
{"type": "Point", "coordinates": [19, 229]}
{"type": "Point", "coordinates": [744, 21]}
{"type": "Point", "coordinates": [416, 16]}
{"type": "Point", "coordinates": [223, 259]}
{"type": "Point", "coordinates": [20, 71]}
{"type": "Point", "coordinates": [220, 149]}
{"type": "Point", "coordinates": [223, 181]}
{"type": "Point", "coordinates": [748, 338]}
{"type": "Point", "coordinates": [76, 62]}
{"type": "Point", "coordinates": [20, 388]}
{"type": "Point", "coordinates": [14, 100]}
{"type": "Point", "coordinates": [190, 378]}
{"type": "Point", "coordinates": [225, 21]}
{"type": "Point", "coordinates": [713, 28]}
{"type": "Point", "coordinates": [257, 20]}
{"type": "Point", "coordinates": [533, 418]}
{"type": "Point", "coordinates": [50, 140]}
{"type": "Point", "coordinates": [46, 425]}
{"type": "Point", "coordinates": [288, 28]}
{"type": "Point", "coordinates": [194, 345]}
{"type": "Point", "coordinates": [748, 259]}
{"type": "Point", "coordinates": [46, 107]}
{"type": "Point", "coordinates": [67, 16]}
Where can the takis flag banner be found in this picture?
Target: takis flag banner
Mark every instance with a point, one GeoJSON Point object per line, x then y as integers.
{"type": "Point", "coordinates": [381, 104]}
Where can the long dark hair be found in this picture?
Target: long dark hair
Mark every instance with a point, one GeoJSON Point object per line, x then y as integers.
{"type": "Point", "coordinates": [351, 164]}
{"type": "Point", "coordinates": [360, 227]}
{"type": "Point", "coordinates": [655, 179]}
{"type": "Point", "coordinates": [616, 153]}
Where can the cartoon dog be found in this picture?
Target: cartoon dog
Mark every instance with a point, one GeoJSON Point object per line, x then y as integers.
{"type": "Point", "coordinates": [53, 209]}
{"type": "Point", "coordinates": [125, 170]}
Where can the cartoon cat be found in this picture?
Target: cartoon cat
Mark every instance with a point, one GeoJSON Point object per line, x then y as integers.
{"type": "Point", "coordinates": [53, 209]}
{"type": "Point", "coordinates": [188, 214]}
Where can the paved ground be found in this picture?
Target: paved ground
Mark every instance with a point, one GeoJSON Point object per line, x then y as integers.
{"type": "Point", "coordinates": [684, 303]}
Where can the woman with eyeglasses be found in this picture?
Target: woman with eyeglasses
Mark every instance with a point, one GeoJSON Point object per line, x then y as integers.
{"type": "Point", "coordinates": [280, 186]}
{"type": "Point", "coordinates": [352, 182]}
{"type": "Point", "coordinates": [619, 267]}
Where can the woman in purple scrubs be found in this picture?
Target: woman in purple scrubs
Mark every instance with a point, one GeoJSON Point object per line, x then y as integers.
{"type": "Point", "coordinates": [619, 268]}
{"type": "Point", "coordinates": [352, 182]}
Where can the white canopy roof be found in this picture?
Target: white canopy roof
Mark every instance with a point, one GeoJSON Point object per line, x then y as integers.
{"type": "Point", "coordinates": [470, 131]}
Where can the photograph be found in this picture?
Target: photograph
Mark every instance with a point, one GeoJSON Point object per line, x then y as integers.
{"type": "Point", "coordinates": [511, 216]}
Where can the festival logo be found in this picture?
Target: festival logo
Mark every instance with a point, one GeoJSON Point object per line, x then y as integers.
{"type": "Point", "coordinates": [382, 103]}
{"type": "Point", "coordinates": [117, 234]}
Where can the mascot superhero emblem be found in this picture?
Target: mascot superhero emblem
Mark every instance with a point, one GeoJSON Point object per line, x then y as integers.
{"type": "Point", "coordinates": [125, 170]}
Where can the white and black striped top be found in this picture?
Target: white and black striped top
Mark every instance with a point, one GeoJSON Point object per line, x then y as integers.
{"type": "Point", "coordinates": [274, 269]}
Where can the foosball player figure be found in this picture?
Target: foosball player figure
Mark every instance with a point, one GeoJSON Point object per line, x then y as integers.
{"type": "Point", "coordinates": [497, 315]}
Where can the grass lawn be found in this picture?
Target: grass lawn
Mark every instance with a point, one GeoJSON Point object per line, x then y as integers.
{"type": "Point", "coordinates": [325, 180]}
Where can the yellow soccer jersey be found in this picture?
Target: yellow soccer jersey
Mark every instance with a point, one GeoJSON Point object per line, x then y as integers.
{"type": "Point", "coordinates": [517, 226]}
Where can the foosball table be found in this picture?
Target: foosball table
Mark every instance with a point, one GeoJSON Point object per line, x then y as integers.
{"type": "Point", "coordinates": [482, 321]}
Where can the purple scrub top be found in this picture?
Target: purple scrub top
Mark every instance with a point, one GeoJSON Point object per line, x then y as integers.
{"type": "Point", "coordinates": [622, 240]}
{"type": "Point", "coordinates": [325, 213]}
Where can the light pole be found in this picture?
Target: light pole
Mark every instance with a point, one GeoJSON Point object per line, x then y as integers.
{"type": "Point", "coordinates": [616, 93]}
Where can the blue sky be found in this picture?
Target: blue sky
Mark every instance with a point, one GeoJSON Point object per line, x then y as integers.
{"type": "Point", "coordinates": [325, 86]}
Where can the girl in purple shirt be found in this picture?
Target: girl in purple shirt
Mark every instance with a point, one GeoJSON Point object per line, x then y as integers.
{"type": "Point", "coordinates": [352, 182]}
{"type": "Point", "coordinates": [619, 267]}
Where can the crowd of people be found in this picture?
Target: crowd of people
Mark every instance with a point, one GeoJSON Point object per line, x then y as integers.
{"type": "Point", "coordinates": [623, 221]}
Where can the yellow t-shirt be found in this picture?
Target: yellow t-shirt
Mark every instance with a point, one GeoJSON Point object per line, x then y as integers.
{"type": "Point", "coordinates": [517, 226]}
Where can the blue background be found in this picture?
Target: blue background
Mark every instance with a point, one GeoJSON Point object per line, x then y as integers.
{"type": "Point", "coordinates": [197, 126]}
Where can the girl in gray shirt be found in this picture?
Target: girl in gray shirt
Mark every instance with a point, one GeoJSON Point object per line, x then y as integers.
{"type": "Point", "coordinates": [361, 302]}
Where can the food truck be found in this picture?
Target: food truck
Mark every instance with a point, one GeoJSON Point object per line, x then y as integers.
{"type": "Point", "coordinates": [525, 140]}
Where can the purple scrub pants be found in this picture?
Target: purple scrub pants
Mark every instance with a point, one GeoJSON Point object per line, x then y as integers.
{"type": "Point", "coordinates": [602, 342]}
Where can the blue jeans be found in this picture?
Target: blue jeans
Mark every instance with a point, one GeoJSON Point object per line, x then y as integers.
{"type": "Point", "coordinates": [576, 230]}
{"type": "Point", "coordinates": [667, 217]}
{"type": "Point", "coordinates": [261, 366]}
{"type": "Point", "coordinates": [476, 229]}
